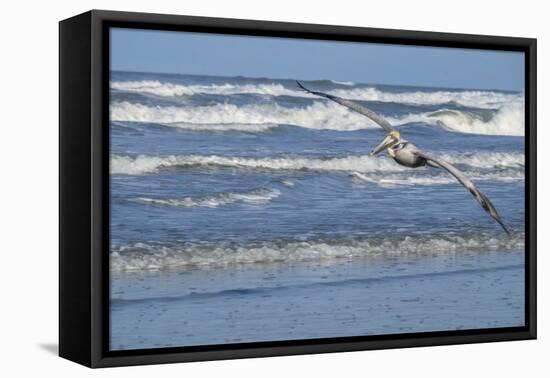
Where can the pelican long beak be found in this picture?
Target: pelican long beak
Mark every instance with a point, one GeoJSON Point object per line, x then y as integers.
{"type": "Point", "coordinates": [388, 141]}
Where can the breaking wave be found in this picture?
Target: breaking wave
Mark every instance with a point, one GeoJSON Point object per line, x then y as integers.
{"type": "Point", "coordinates": [254, 197]}
{"type": "Point", "coordinates": [317, 116]}
{"type": "Point", "coordinates": [222, 127]}
{"type": "Point", "coordinates": [346, 83]}
{"type": "Point", "coordinates": [150, 164]}
{"type": "Point", "coordinates": [486, 160]}
{"type": "Point", "coordinates": [486, 165]}
{"type": "Point", "coordinates": [441, 178]}
{"type": "Point", "coordinates": [470, 98]}
{"type": "Point", "coordinates": [474, 99]}
{"type": "Point", "coordinates": [508, 120]}
{"type": "Point", "coordinates": [144, 256]}
{"type": "Point", "coordinates": [158, 88]}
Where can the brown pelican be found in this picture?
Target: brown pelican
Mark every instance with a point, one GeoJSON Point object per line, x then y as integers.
{"type": "Point", "coordinates": [407, 154]}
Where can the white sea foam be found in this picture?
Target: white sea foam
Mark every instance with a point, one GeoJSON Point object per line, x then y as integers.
{"type": "Point", "coordinates": [347, 83]}
{"type": "Point", "coordinates": [317, 116]}
{"type": "Point", "coordinates": [142, 256]}
{"type": "Point", "coordinates": [476, 99]}
{"type": "Point", "coordinates": [479, 166]}
{"type": "Point", "coordinates": [173, 90]}
{"type": "Point", "coordinates": [288, 183]}
{"type": "Point", "coordinates": [254, 197]}
{"type": "Point", "coordinates": [486, 160]}
{"type": "Point", "coordinates": [509, 120]}
{"type": "Point", "coordinates": [441, 178]}
{"type": "Point", "coordinates": [399, 180]}
{"type": "Point", "coordinates": [222, 127]}
{"type": "Point", "coordinates": [497, 165]}
{"type": "Point", "coordinates": [150, 164]}
{"type": "Point", "coordinates": [471, 98]}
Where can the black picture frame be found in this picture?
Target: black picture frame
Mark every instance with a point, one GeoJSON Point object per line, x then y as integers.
{"type": "Point", "coordinates": [84, 187]}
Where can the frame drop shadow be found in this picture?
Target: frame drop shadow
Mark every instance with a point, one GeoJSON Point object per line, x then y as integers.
{"type": "Point", "coordinates": [52, 348]}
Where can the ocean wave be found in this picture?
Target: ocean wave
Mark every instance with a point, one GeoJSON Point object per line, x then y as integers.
{"type": "Point", "coordinates": [253, 197]}
{"type": "Point", "coordinates": [150, 164]}
{"type": "Point", "coordinates": [470, 98]}
{"type": "Point", "coordinates": [479, 166]}
{"type": "Point", "coordinates": [346, 83]}
{"type": "Point", "coordinates": [317, 116]}
{"type": "Point", "coordinates": [509, 120]}
{"type": "Point", "coordinates": [486, 160]}
{"type": "Point", "coordinates": [144, 256]}
{"type": "Point", "coordinates": [441, 178]}
{"type": "Point", "coordinates": [491, 163]}
{"type": "Point", "coordinates": [155, 87]}
{"type": "Point", "coordinates": [223, 127]}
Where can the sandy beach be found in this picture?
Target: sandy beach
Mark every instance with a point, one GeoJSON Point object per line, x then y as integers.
{"type": "Point", "coordinates": [267, 302]}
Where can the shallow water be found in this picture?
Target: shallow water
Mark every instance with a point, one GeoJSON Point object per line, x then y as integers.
{"type": "Point", "coordinates": [218, 183]}
{"type": "Point", "coordinates": [254, 302]}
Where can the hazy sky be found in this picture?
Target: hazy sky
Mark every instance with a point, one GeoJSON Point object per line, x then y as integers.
{"type": "Point", "coordinates": [222, 55]}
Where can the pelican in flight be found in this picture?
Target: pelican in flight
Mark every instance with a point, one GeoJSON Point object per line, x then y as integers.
{"type": "Point", "coordinates": [408, 155]}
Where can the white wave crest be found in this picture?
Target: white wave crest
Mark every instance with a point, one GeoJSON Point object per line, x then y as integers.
{"type": "Point", "coordinates": [361, 163]}
{"type": "Point", "coordinates": [486, 160]}
{"type": "Point", "coordinates": [223, 127]}
{"type": "Point", "coordinates": [155, 87]}
{"type": "Point", "coordinates": [509, 120]}
{"type": "Point", "coordinates": [476, 99]}
{"type": "Point", "coordinates": [441, 178]}
{"type": "Point", "coordinates": [142, 256]}
{"type": "Point", "coordinates": [346, 83]}
{"type": "Point", "coordinates": [470, 98]}
{"type": "Point", "coordinates": [401, 180]}
{"type": "Point", "coordinates": [317, 116]}
{"type": "Point", "coordinates": [255, 197]}
{"type": "Point", "coordinates": [479, 166]}
{"type": "Point", "coordinates": [150, 164]}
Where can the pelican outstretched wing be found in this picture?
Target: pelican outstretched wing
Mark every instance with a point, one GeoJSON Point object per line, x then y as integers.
{"type": "Point", "coordinates": [465, 181]}
{"type": "Point", "coordinates": [353, 106]}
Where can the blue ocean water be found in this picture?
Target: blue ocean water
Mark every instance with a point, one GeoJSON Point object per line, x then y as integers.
{"type": "Point", "coordinates": [218, 173]}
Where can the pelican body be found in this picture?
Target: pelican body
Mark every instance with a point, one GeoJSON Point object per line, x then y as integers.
{"type": "Point", "coordinates": [408, 155]}
{"type": "Point", "coordinates": [405, 154]}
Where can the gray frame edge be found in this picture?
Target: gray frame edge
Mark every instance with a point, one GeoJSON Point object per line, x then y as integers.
{"type": "Point", "coordinates": [75, 274]}
{"type": "Point", "coordinates": [531, 190]}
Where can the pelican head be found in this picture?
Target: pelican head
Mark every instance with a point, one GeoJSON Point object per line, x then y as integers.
{"type": "Point", "coordinates": [390, 140]}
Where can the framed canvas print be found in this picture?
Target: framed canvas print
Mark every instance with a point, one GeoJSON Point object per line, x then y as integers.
{"type": "Point", "coordinates": [233, 188]}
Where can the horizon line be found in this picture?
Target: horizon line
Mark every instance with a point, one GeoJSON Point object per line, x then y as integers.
{"type": "Point", "coordinates": [294, 79]}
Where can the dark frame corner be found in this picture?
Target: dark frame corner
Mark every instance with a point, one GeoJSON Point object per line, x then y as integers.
{"type": "Point", "coordinates": [84, 189]}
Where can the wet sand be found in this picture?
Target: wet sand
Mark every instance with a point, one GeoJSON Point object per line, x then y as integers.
{"type": "Point", "coordinates": [269, 302]}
